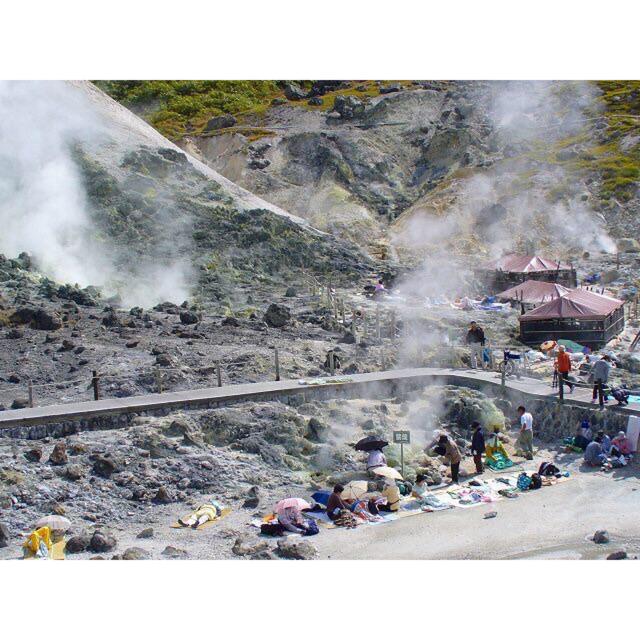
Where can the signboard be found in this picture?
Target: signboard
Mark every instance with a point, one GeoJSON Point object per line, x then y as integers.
{"type": "Point", "coordinates": [402, 437]}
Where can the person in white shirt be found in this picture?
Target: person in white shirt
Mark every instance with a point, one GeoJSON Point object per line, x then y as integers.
{"type": "Point", "coordinates": [375, 459]}
{"type": "Point", "coordinates": [525, 437]}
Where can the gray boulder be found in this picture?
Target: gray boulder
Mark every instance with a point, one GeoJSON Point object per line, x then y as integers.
{"type": "Point", "coordinates": [37, 318]}
{"type": "Point", "coordinates": [221, 122]}
{"type": "Point", "coordinates": [293, 91]}
{"type": "Point", "coordinates": [277, 315]}
{"type": "Point", "coordinates": [102, 541]}
{"type": "Point", "coordinates": [174, 553]}
{"type": "Point", "coordinates": [601, 536]}
{"type": "Point", "coordinates": [4, 536]}
{"type": "Point", "coordinates": [296, 549]}
{"type": "Point", "coordinates": [135, 553]}
{"type": "Point", "coordinates": [78, 543]}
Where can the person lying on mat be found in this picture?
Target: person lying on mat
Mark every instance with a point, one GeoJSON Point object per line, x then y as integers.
{"type": "Point", "coordinates": [336, 504]}
{"type": "Point", "coordinates": [204, 513]}
{"type": "Point", "coordinates": [292, 520]}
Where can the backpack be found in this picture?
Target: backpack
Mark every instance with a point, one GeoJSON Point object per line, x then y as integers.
{"type": "Point", "coordinates": [524, 482]}
{"type": "Point", "coordinates": [312, 528]}
{"type": "Point", "coordinates": [548, 469]}
{"type": "Point", "coordinates": [536, 481]}
{"type": "Point", "coordinates": [272, 529]}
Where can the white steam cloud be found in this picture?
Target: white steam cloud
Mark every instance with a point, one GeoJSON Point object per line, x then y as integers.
{"type": "Point", "coordinates": [526, 195]}
{"type": "Point", "coordinates": [43, 206]}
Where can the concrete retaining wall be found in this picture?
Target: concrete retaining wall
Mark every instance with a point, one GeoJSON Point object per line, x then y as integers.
{"type": "Point", "coordinates": [552, 420]}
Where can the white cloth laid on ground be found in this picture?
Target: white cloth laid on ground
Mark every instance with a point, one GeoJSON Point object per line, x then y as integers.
{"type": "Point", "coordinates": [633, 432]}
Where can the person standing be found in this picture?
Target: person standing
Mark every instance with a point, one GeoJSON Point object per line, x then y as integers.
{"type": "Point", "coordinates": [451, 454]}
{"type": "Point", "coordinates": [375, 459]}
{"type": "Point", "coordinates": [600, 371]}
{"type": "Point", "coordinates": [477, 446]}
{"type": "Point", "coordinates": [475, 339]}
{"type": "Point", "coordinates": [563, 364]}
{"type": "Point", "coordinates": [525, 437]}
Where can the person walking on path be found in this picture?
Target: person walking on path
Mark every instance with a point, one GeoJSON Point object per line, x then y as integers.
{"type": "Point", "coordinates": [563, 364]}
{"type": "Point", "coordinates": [451, 454]}
{"type": "Point", "coordinates": [475, 339]}
{"type": "Point", "coordinates": [600, 371]}
{"type": "Point", "coordinates": [525, 437]}
{"type": "Point", "coordinates": [477, 446]}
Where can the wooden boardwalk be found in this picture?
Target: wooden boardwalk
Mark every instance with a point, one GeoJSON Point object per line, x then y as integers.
{"type": "Point", "coordinates": [389, 380]}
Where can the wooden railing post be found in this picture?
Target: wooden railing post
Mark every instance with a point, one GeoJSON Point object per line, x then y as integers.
{"type": "Point", "coordinates": [378, 322]}
{"type": "Point", "coordinates": [277, 363]}
{"type": "Point", "coordinates": [158, 375]}
{"type": "Point", "coordinates": [30, 389]}
{"type": "Point", "coordinates": [95, 380]}
{"type": "Point", "coordinates": [560, 388]}
{"type": "Point", "coordinates": [219, 373]}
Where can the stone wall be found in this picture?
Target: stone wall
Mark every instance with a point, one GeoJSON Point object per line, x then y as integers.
{"type": "Point", "coordinates": [552, 420]}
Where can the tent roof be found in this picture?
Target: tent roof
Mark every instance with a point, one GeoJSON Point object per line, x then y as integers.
{"type": "Point", "coordinates": [578, 303]}
{"type": "Point", "coordinates": [534, 292]}
{"type": "Point", "coordinates": [515, 263]}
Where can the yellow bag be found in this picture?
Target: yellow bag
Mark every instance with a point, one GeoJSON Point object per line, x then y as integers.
{"type": "Point", "coordinates": [38, 544]}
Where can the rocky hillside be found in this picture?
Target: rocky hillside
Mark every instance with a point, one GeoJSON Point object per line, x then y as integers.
{"type": "Point", "coordinates": [469, 166]}
{"type": "Point", "coordinates": [130, 212]}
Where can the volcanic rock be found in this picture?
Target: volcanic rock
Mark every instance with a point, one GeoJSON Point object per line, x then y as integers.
{"type": "Point", "coordinates": [277, 315]}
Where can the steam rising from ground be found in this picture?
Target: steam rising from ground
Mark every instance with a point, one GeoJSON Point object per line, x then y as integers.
{"type": "Point", "coordinates": [526, 198]}
{"type": "Point", "coordinates": [43, 206]}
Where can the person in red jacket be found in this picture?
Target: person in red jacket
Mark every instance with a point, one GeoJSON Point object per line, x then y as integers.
{"type": "Point", "coordinates": [563, 364]}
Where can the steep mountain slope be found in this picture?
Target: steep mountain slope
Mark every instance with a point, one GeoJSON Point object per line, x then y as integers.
{"type": "Point", "coordinates": [125, 209]}
{"type": "Point", "coordinates": [473, 166]}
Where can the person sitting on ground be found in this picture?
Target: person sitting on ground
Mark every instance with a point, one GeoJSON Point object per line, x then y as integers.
{"type": "Point", "coordinates": [375, 459]}
{"type": "Point", "coordinates": [451, 455]}
{"type": "Point", "coordinates": [204, 513]}
{"type": "Point", "coordinates": [563, 364]}
{"type": "Point", "coordinates": [392, 493]}
{"type": "Point", "coordinates": [477, 446]}
{"type": "Point", "coordinates": [583, 435]}
{"type": "Point", "coordinates": [600, 371]}
{"type": "Point", "coordinates": [420, 487]}
{"type": "Point", "coordinates": [593, 454]}
{"type": "Point", "coordinates": [621, 444]}
{"type": "Point", "coordinates": [475, 339]}
{"type": "Point", "coordinates": [336, 504]}
{"type": "Point", "coordinates": [379, 289]}
{"type": "Point", "coordinates": [292, 520]}
{"type": "Point", "coordinates": [605, 442]}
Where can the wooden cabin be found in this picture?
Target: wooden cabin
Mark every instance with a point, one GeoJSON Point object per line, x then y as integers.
{"type": "Point", "coordinates": [589, 318]}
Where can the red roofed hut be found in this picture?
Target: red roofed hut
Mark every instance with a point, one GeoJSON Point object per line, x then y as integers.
{"type": "Point", "coordinates": [589, 318]}
{"type": "Point", "coordinates": [533, 292]}
{"type": "Point", "coordinates": [514, 269]}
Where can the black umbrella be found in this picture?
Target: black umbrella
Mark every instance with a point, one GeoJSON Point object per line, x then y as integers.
{"type": "Point", "coordinates": [371, 443]}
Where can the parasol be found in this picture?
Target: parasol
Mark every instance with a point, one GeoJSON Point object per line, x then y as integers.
{"type": "Point", "coordinates": [292, 503]}
{"type": "Point", "coordinates": [55, 523]}
{"type": "Point", "coordinates": [371, 443]}
{"type": "Point", "coordinates": [387, 472]}
{"type": "Point", "coordinates": [355, 490]}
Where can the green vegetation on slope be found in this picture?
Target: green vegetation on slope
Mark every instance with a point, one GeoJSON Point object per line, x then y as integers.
{"type": "Point", "coordinates": [178, 107]}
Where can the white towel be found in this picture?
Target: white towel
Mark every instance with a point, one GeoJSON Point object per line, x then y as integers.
{"type": "Point", "coordinates": [633, 432]}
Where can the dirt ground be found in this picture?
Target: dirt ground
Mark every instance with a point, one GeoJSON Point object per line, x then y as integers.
{"type": "Point", "coordinates": [554, 522]}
